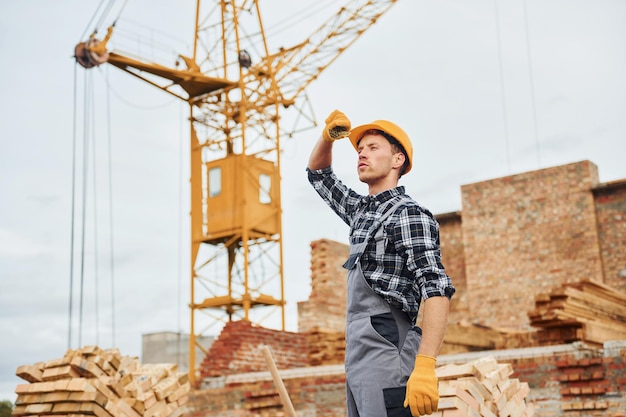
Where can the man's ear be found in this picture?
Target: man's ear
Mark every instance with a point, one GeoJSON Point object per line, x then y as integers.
{"type": "Point", "coordinates": [398, 160]}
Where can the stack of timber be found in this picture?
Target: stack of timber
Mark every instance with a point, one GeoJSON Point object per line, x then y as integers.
{"type": "Point", "coordinates": [464, 336]}
{"type": "Point", "coordinates": [586, 311]}
{"type": "Point", "coordinates": [326, 347]}
{"type": "Point", "coordinates": [481, 388]}
{"type": "Point", "coordinates": [94, 382]}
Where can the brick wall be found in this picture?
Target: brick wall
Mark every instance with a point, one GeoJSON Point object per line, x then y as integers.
{"type": "Point", "coordinates": [525, 233]}
{"type": "Point", "coordinates": [321, 395]}
{"type": "Point", "coordinates": [453, 258]}
{"type": "Point", "coordinates": [567, 380]}
{"type": "Point", "coordinates": [610, 202]}
{"type": "Point", "coordinates": [238, 350]}
{"type": "Point", "coordinates": [581, 383]}
{"type": "Point", "coordinates": [326, 307]}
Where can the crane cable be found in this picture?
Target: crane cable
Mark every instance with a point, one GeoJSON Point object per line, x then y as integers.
{"type": "Point", "coordinates": [87, 122]}
{"type": "Point", "coordinates": [103, 15]}
{"type": "Point", "coordinates": [111, 241]}
{"type": "Point", "coordinates": [502, 85]}
{"type": "Point", "coordinates": [531, 79]}
{"type": "Point", "coordinates": [88, 88]}
{"type": "Point", "coordinates": [297, 17]}
{"type": "Point", "coordinates": [71, 292]}
{"type": "Point", "coordinates": [91, 21]}
{"type": "Point", "coordinates": [88, 136]}
{"type": "Point", "coordinates": [73, 219]}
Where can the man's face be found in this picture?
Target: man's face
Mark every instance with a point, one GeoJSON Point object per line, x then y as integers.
{"type": "Point", "coordinates": [376, 159]}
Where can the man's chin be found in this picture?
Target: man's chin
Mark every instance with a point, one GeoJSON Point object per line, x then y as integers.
{"type": "Point", "coordinates": [364, 178]}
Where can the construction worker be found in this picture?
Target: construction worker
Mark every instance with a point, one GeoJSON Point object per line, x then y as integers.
{"type": "Point", "coordinates": [394, 264]}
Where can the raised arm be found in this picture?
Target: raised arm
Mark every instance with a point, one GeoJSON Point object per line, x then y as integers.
{"type": "Point", "coordinates": [337, 127]}
{"type": "Point", "coordinates": [321, 155]}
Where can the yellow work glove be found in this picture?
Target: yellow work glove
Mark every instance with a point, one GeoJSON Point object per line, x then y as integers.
{"type": "Point", "coordinates": [422, 389]}
{"type": "Point", "coordinates": [337, 126]}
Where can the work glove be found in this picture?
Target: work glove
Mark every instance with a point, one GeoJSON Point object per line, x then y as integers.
{"type": "Point", "coordinates": [337, 126]}
{"type": "Point", "coordinates": [422, 389]}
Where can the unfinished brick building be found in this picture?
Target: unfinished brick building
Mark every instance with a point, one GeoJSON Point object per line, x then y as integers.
{"type": "Point", "coordinates": [516, 237]}
{"type": "Point", "coordinates": [522, 246]}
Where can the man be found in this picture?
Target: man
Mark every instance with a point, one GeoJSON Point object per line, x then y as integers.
{"type": "Point", "coordinates": [394, 264]}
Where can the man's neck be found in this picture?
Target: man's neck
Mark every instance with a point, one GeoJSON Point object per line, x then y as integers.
{"type": "Point", "coordinates": [379, 187]}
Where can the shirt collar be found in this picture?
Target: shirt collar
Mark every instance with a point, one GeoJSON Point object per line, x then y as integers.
{"type": "Point", "coordinates": [382, 197]}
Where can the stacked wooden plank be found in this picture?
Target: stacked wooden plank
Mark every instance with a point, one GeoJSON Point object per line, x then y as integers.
{"type": "Point", "coordinates": [586, 311]}
{"type": "Point", "coordinates": [94, 382]}
{"type": "Point", "coordinates": [481, 388]}
{"type": "Point", "coordinates": [468, 337]}
{"type": "Point", "coordinates": [325, 347]}
{"type": "Point", "coordinates": [465, 336]}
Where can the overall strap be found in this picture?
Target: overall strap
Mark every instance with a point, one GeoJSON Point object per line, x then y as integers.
{"type": "Point", "coordinates": [378, 236]}
{"type": "Point", "coordinates": [377, 230]}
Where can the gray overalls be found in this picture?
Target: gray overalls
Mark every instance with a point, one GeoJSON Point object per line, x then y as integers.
{"type": "Point", "coordinates": [381, 342]}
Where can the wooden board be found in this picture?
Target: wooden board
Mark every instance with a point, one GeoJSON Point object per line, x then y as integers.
{"type": "Point", "coordinates": [102, 383]}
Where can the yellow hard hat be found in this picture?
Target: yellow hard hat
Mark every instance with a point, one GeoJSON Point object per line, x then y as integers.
{"type": "Point", "coordinates": [389, 128]}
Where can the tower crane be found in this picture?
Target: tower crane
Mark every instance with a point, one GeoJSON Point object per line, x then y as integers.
{"type": "Point", "coordinates": [237, 89]}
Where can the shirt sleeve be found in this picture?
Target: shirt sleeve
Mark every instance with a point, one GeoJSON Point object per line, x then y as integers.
{"type": "Point", "coordinates": [416, 237]}
{"type": "Point", "coordinates": [336, 194]}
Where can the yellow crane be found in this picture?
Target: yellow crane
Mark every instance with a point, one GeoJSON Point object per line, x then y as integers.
{"type": "Point", "coordinates": [237, 90]}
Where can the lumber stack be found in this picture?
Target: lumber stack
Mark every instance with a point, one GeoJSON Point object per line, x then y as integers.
{"type": "Point", "coordinates": [586, 311]}
{"type": "Point", "coordinates": [325, 347]}
{"type": "Point", "coordinates": [465, 336]}
{"type": "Point", "coordinates": [481, 388]}
{"type": "Point", "coordinates": [94, 382]}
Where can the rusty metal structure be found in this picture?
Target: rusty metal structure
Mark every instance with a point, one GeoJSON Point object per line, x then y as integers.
{"type": "Point", "coordinates": [237, 89]}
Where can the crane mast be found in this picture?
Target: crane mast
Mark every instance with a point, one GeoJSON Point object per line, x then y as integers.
{"type": "Point", "coordinates": [237, 91]}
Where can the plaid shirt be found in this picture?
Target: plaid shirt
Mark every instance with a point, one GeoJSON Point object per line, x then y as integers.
{"type": "Point", "coordinates": [410, 268]}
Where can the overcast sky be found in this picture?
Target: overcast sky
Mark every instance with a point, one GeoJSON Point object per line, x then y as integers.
{"type": "Point", "coordinates": [482, 91]}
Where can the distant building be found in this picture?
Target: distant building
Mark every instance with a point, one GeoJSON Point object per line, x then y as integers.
{"type": "Point", "coordinates": [172, 347]}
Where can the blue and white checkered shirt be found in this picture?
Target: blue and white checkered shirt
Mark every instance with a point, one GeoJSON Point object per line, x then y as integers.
{"type": "Point", "coordinates": [410, 268]}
